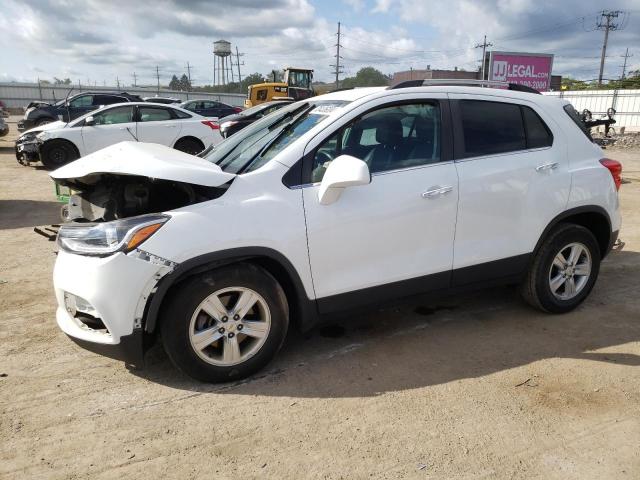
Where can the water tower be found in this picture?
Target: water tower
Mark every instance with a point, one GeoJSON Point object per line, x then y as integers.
{"type": "Point", "coordinates": [222, 67]}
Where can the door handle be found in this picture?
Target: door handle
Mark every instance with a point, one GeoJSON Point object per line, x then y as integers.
{"type": "Point", "coordinates": [170, 126]}
{"type": "Point", "coordinates": [437, 191]}
{"type": "Point", "coordinates": [547, 166]}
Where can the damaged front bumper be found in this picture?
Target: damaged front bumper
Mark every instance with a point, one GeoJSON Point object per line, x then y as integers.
{"type": "Point", "coordinates": [102, 301]}
{"type": "Point", "coordinates": [27, 150]}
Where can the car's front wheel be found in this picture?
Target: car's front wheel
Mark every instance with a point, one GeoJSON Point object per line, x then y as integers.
{"type": "Point", "coordinates": [225, 324]}
{"type": "Point", "coordinates": [56, 153]}
{"type": "Point", "coordinates": [564, 270]}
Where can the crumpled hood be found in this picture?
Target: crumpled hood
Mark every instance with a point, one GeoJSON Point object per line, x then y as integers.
{"type": "Point", "coordinates": [47, 126]}
{"type": "Point", "coordinates": [147, 160]}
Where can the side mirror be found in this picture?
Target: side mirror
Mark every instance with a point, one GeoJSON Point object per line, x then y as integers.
{"type": "Point", "coordinates": [89, 121]}
{"type": "Point", "coordinates": [344, 171]}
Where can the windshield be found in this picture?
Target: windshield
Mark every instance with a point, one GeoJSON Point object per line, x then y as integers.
{"type": "Point", "coordinates": [255, 145]}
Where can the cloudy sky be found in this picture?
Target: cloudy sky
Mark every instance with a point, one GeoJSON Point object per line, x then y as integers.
{"type": "Point", "coordinates": [99, 40]}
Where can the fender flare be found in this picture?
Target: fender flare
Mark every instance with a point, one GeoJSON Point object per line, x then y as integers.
{"type": "Point", "coordinates": [303, 306]}
{"type": "Point", "coordinates": [570, 213]}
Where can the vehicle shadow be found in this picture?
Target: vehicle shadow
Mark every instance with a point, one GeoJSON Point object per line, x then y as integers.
{"type": "Point", "coordinates": [28, 213]}
{"type": "Point", "coordinates": [419, 344]}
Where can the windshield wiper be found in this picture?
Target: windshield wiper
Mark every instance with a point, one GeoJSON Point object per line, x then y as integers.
{"type": "Point", "coordinates": [284, 129]}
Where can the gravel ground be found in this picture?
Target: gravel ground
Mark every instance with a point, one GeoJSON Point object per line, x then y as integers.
{"type": "Point", "coordinates": [474, 386]}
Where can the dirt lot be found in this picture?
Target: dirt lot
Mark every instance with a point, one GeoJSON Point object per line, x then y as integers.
{"type": "Point", "coordinates": [479, 386]}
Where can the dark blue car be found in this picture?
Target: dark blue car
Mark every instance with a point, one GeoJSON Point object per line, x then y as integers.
{"type": "Point", "coordinates": [210, 108]}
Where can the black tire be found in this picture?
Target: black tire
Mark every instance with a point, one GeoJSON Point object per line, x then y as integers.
{"type": "Point", "coordinates": [64, 213]}
{"type": "Point", "coordinates": [192, 146]}
{"type": "Point", "coordinates": [536, 288]}
{"type": "Point", "coordinates": [43, 121]}
{"type": "Point", "coordinates": [175, 321]}
{"type": "Point", "coordinates": [56, 153]}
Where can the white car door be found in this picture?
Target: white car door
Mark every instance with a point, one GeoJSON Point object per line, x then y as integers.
{"type": "Point", "coordinates": [110, 126]}
{"type": "Point", "coordinates": [513, 182]}
{"type": "Point", "coordinates": [394, 236]}
{"type": "Point", "coordinates": [158, 125]}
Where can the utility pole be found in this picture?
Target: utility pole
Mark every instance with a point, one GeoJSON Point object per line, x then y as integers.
{"type": "Point", "coordinates": [238, 55]}
{"type": "Point", "coordinates": [189, 76]}
{"type": "Point", "coordinates": [118, 83]}
{"type": "Point", "coordinates": [624, 66]}
{"type": "Point", "coordinates": [484, 46]}
{"type": "Point", "coordinates": [606, 23]}
{"type": "Point", "coordinates": [158, 77]}
{"type": "Point", "coordinates": [338, 57]}
{"type": "Point", "coordinates": [135, 79]}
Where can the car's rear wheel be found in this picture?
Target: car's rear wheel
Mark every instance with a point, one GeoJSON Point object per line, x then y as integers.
{"type": "Point", "coordinates": [564, 270]}
{"type": "Point", "coordinates": [192, 146]}
{"type": "Point", "coordinates": [56, 153]}
{"type": "Point", "coordinates": [225, 324]}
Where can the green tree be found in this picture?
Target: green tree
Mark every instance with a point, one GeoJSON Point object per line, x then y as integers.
{"type": "Point", "coordinates": [366, 77]}
{"type": "Point", "coordinates": [185, 84]}
{"type": "Point", "coordinates": [174, 84]}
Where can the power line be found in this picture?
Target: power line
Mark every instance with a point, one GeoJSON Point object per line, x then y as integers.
{"type": "Point", "coordinates": [624, 66]}
{"type": "Point", "coordinates": [484, 46]}
{"type": "Point", "coordinates": [337, 70]}
{"type": "Point", "coordinates": [607, 23]}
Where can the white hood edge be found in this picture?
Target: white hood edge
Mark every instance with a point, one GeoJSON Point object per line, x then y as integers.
{"type": "Point", "coordinates": [146, 160]}
{"type": "Point", "coordinates": [57, 125]}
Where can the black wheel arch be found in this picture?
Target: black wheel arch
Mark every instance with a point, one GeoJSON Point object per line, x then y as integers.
{"type": "Point", "coordinates": [592, 217]}
{"type": "Point", "coordinates": [189, 137]}
{"type": "Point", "coordinates": [302, 310]}
{"type": "Point", "coordinates": [61, 140]}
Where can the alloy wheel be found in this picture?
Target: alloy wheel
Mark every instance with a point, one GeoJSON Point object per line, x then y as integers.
{"type": "Point", "coordinates": [230, 326]}
{"type": "Point", "coordinates": [570, 271]}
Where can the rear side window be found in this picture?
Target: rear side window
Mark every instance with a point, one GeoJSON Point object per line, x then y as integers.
{"type": "Point", "coordinates": [181, 114]}
{"type": "Point", "coordinates": [577, 119]}
{"type": "Point", "coordinates": [538, 134]}
{"type": "Point", "coordinates": [491, 127]}
{"type": "Point", "coordinates": [154, 114]}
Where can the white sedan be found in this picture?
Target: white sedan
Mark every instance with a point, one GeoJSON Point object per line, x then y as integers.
{"type": "Point", "coordinates": [58, 143]}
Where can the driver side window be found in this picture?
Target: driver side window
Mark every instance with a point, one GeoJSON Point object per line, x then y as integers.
{"type": "Point", "coordinates": [114, 116]}
{"type": "Point", "coordinates": [390, 138]}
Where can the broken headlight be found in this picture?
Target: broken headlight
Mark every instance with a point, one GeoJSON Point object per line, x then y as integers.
{"type": "Point", "coordinates": [102, 239]}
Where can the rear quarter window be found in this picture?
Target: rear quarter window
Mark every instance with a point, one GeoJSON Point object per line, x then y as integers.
{"type": "Point", "coordinates": [577, 119]}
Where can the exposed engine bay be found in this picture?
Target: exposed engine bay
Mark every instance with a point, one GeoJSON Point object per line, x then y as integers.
{"type": "Point", "coordinates": [106, 197]}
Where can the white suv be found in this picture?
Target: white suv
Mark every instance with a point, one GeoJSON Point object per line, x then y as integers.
{"type": "Point", "coordinates": [347, 199]}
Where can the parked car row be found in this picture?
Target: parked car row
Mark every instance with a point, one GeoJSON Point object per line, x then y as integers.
{"type": "Point", "coordinates": [58, 143]}
{"type": "Point", "coordinates": [38, 112]}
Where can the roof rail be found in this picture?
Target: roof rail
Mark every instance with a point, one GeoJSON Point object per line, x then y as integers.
{"type": "Point", "coordinates": [463, 82]}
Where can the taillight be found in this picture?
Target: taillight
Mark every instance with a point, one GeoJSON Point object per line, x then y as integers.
{"type": "Point", "coordinates": [237, 109]}
{"type": "Point", "coordinates": [212, 124]}
{"type": "Point", "coordinates": [615, 168]}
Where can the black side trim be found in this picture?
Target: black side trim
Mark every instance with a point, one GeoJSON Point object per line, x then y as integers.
{"type": "Point", "coordinates": [130, 349]}
{"type": "Point", "coordinates": [569, 213]}
{"type": "Point", "coordinates": [504, 271]}
{"type": "Point", "coordinates": [509, 269]}
{"type": "Point", "coordinates": [383, 293]}
{"type": "Point", "coordinates": [293, 177]}
{"type": "Point", "coordinates": [304, 308]}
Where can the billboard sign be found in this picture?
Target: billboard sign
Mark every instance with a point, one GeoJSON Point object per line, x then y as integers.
{"type": "Point", "coordinates": [530, 69]}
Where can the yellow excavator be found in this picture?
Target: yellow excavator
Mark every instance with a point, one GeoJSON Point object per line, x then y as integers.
{"type": "Point", "coordinates": [296, 85]}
